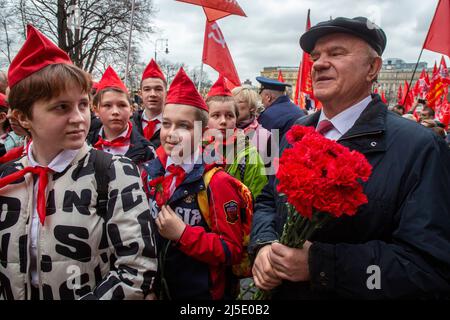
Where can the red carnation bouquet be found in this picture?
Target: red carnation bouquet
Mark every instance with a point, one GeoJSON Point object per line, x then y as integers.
{"type": "Point", "coordinates": [321, 180]}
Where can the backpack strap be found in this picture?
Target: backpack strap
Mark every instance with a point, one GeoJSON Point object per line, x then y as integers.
{"type": "Point", "coordinates": [102, 162]}
{"type": "Point", "coordinates": [202, 195]}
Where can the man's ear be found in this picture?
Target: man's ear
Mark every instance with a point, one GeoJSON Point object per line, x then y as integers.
{"type": "Point", "coordinates": [24, 121]}
{"type": "Point", "coordinates": [375, 67]}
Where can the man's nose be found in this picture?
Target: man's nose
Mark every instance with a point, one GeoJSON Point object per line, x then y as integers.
{"type": "Point", "coordinates": [320, 64]}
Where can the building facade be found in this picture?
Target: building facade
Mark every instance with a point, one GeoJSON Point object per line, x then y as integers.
{"type": "Point", "coordinates": [394, 73]}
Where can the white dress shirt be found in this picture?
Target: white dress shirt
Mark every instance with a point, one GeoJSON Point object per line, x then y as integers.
{"type": "Point", "coordinates": [343, 121]}
{"type": "Point", "coordinates": [58, 164]}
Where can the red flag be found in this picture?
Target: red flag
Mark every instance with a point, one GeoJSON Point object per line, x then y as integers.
{"type": "Point", "coordinates": [229, 84]}
{"type": "Point", "coordinates": [375, 91]}
{"type": "Point", "coordinates": [399, 94]}
{"type": "Point", "coordinates": [435, 73]}
{"type": "Point", "coordinates": [444, 114]}
{"type": "Point", "coordinates": [305, 80]}
{"type": "Point", "coordinates": [423, 85]}
{"type": "Point", "coordinates": [297, 94]}
{"type": "Point", "coordinates": [280, 76]}
{"type": "Point", "coordinates": [299, 98]}
{"type": "Point", "coordinates": [383, 97]}
{"type": "Point", "coordinates": [407, 97]}
{"type": "Point", "coordinates": [416, 89]}
{"type": "Point", "coordinates": [436, 92]}
{"type": "Point", "coordinates": [217, 55]}
{"type": "Point", "coordinates": [438, 37]}
{"type": "Point", "coordinates": [443, 71]}
{"type": "Point", "coordinates": [217, 9]}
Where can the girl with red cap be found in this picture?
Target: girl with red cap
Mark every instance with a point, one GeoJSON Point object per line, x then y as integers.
{"type": "Point", "coordinates": [75, 223]}
{"type": "Point", "coordinates": [199, 237]}
{"type": "Point", "coordinates": [117, 135]}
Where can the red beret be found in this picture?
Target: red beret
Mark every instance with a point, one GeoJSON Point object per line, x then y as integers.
{"type": "Point", "coordinates": [183, 91]}
{"type": "Point", "coordinates": [153, 71]}
{"type": "Point", "coordinates": [36, 53]}
{"type": "Point", "coordinates": [110, 79]}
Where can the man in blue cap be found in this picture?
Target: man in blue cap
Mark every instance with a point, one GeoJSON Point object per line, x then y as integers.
{"type": "Point", "coordinates": [397, 245]}
{"type": "Point", "coordinates": [280, 112]}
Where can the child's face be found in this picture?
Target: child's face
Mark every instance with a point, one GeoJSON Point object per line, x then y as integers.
{"type": "Point", "coordinates": [153, 94]}
{"type": "Point", "coordinates": [222, 115]}
{"type": "Point", "coordinates": [177, 130]}
{"type": "Point", "coordinates": [59, 123]}
{"type": "Point", "coordinates": [245, 110]}
{"type": "Point", "coordinates": [114, 111]}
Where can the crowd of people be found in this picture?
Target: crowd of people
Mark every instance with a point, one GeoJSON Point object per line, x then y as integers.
{"type": "Point", "coordinates": [178, 198]}
{"type": "Point", "coordinates": [424, 115]}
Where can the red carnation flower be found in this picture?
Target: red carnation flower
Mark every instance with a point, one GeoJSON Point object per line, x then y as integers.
{"type": "Point", "coordinates": [321, 180]}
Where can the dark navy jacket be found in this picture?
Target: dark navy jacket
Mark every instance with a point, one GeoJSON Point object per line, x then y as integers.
{"type": "Point", "coordinates": [404, 229]}
{"type": "Point", "coordinates": [280, 115]}
{"type": "Point", "coordinates": [137, 123]}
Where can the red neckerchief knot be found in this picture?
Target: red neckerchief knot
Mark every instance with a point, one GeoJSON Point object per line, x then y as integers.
{"type": "Point", "coordinates": [42, 172]}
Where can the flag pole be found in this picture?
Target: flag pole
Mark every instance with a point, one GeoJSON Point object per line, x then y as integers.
{"type": "Point", "coordinates": [129, 42]}
{"type": "Point", "coordinates": [200, 78]}
{"type": "Point", "coordinates": [412, 77]}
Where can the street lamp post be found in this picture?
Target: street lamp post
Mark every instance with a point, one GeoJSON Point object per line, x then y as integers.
{"type": "Point", "coordinates": [161, 40]}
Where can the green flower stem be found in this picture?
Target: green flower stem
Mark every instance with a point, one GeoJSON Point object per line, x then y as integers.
{"type": "Point", "coordinates": [296, 231]}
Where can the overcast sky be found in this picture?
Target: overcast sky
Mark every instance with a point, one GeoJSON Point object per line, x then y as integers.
{"type": "Point", "coordinates": [269, 35]}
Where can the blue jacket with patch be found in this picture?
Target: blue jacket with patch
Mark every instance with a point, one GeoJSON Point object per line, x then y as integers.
{"type": "Point", "coordinates": [198, 265]}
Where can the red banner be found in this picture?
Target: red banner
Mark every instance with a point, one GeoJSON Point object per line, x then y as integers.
{"type": "Point", "coordinates": [217, 9]}
{"type": "Point", "coordinates": [280, 76]}
{"type": "Point", "coordinates": [438, 37]}
{"type": "Point", "coordinates": [217, 55]}
{"type": "Point", "coordinates": [304, 82]}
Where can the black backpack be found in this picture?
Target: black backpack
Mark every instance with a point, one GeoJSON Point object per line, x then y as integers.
{"type": "Point", "coordinates": [102, 162]}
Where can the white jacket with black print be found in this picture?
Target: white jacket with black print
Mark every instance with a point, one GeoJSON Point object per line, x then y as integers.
{"type": "Point", "coordinates": [81, 255]}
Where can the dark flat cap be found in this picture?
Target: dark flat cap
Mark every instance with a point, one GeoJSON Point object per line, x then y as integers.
{"type": "Point", "coordinates": [271, 84]}
{"type": "Point", "coordinates": [360, 27]}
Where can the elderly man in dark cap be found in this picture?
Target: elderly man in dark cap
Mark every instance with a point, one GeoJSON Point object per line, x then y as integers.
{"type": "Point", "coordinates": [398, 244]}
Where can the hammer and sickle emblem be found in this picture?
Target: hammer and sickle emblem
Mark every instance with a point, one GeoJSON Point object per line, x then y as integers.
{"type": "Point", "coordinates": [217, 35]}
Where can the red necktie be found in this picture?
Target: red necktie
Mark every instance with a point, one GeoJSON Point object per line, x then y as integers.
{"type": "Point", "coordinates": [324, 126]}
{"type": "Point", "coordinates": [149, 130]}
{"type": "Point", "coordinates": [117, 142]}
{"type": "Point", "coordinates": [43, 181]}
